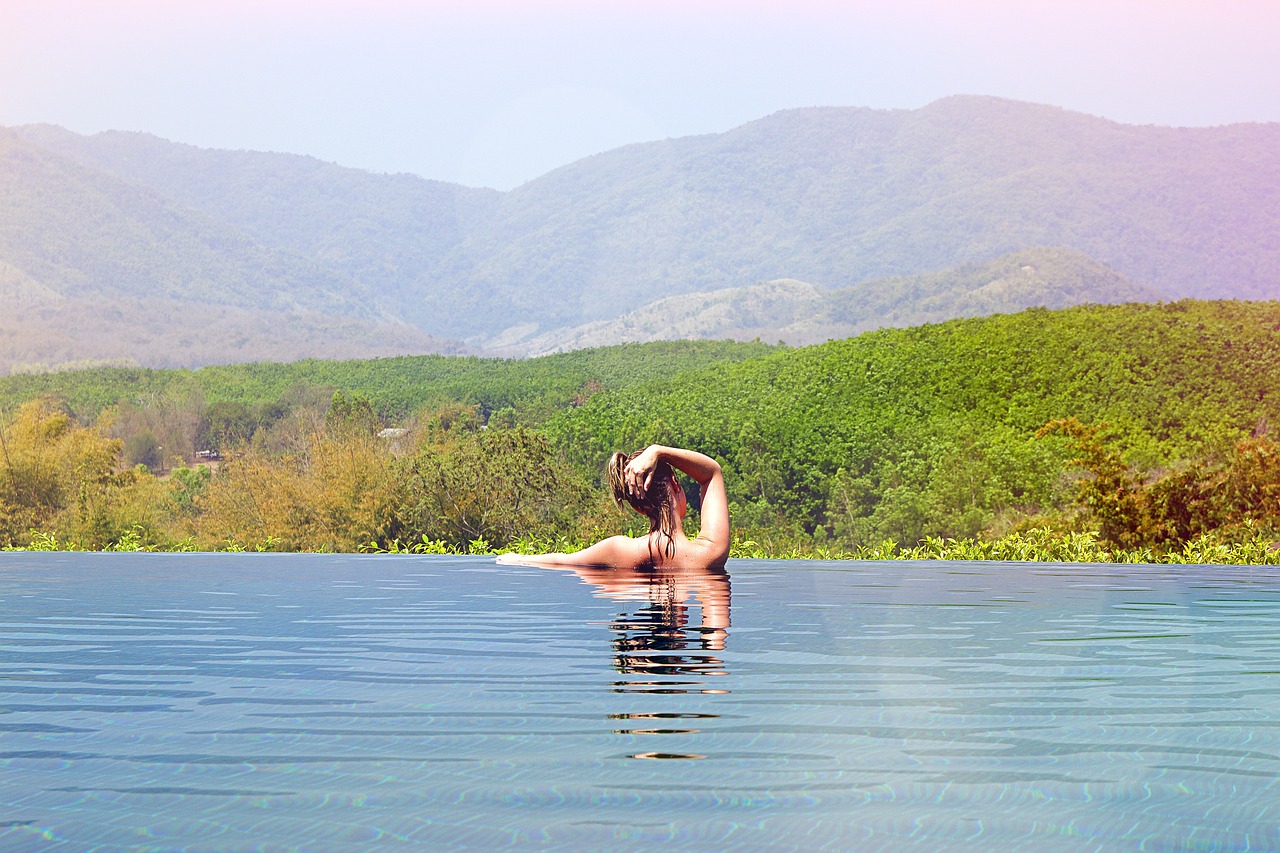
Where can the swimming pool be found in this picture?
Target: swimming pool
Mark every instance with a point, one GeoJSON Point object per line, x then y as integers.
{"type": "Point", "coordinates": [247, 701]}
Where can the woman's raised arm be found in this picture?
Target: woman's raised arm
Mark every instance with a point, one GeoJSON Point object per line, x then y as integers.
{"type": "Point", "coordinates": [705, 471]}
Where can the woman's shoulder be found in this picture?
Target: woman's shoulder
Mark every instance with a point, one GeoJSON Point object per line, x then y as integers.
{"type": "Point", "coordinates": [622, 551]}
{"type": "Point", "coordinates": [711, 552]}
{"type": "Point", "coordinates": [696, 553]}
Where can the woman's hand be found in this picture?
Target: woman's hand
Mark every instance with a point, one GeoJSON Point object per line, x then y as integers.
{"type": "Point", "coordinates": [638, 474]}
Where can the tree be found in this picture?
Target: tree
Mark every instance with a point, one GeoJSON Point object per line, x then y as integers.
{"type": "Point", "coordinates": [142, 448]}
{"type": "Point", "coordinates": [351, 413]}
{"type": "Point", "coordinates": [224, 425]}
{"type": "Point", "coordinates": [494, 484]}
{"type": "Point", "coordinates": [51, 469]}
{"type": "Point", "coordinates": [1111, 494]}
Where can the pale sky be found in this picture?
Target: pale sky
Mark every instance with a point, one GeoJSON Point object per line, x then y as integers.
{"type": "Point", "coordinates": [498, 92]}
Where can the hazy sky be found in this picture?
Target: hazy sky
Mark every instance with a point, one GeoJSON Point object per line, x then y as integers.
{"type": "Point", "coordinates": [496, 92]}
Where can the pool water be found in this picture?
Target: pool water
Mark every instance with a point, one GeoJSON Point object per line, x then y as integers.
{"type": "Point", "coordinates": [247, 702]}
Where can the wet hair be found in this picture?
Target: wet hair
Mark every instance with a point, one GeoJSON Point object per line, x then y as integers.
{"type": "Point", "coordinates": [658, 504]}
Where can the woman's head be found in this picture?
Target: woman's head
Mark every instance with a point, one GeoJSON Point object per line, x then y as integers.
{"type": "Point", "coordinates": [663, 503]}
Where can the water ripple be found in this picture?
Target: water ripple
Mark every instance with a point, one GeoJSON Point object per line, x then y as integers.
{"type": "Point", "coordinates": [249, 701]}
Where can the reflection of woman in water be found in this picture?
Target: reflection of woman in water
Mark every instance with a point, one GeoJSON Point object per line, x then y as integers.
{"type": "Point", "coordinates": [663, 621]}
{"type": "Point", "coordinates": [646, 481]}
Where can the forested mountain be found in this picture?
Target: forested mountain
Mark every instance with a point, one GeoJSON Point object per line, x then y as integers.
{"type": "Point", "coordinates": [380, 232]}
{"type": "Point", "coordinates": [835, 197]}
{"type": "Point", "coordinates": [93, 266]}
{"type": "Point", "coordinates": [81, 232]}
{"type": "Point", "coordinates": [838, 196]}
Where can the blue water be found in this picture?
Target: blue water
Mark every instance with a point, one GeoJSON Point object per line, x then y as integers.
{"type": "Point", "coordinates": [246, 702]}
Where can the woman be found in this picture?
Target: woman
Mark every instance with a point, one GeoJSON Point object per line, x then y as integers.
{"type": "Point", "coordinates": [647, 482]}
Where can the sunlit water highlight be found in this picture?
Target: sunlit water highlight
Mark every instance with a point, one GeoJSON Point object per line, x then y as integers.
{"type": "Point", "coordinates": [243, 702]}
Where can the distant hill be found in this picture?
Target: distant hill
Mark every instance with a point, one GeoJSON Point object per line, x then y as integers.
{"type": "Point", "coordinates": [835, 197]}
{"type": "Point", "coordinates": [84, 232]}
{"type": "Point", "coordinates": [93, 266]}
{"type": "Point", "coordinates": [840, 196]}
{"type": "Point", "coordinates": [379, 232]}
{"type": "Point", "coordinates": [799, 313]}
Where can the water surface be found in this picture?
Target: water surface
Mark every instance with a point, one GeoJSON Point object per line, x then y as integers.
{"type": "Point", "coordinates": [244, 701]}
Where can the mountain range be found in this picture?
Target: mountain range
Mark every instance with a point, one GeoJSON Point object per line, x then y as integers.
{"type": "Point", "coordinates": [804, 225]}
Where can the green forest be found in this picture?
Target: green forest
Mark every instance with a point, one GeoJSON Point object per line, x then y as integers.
{"type": "Point", "coordinates": [1131, 432]}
